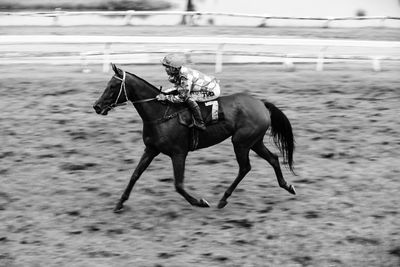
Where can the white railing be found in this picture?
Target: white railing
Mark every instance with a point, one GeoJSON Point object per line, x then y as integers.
{"type": "Point", "coordinates": [243, 47]}
{"type": "Point", "coordinates": [115, 39]}
{"type": "Point", "coordinates": [193, 15]}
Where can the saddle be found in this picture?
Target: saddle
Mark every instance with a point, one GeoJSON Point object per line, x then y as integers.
{"type": "Point", "coordinates": [211, 112]}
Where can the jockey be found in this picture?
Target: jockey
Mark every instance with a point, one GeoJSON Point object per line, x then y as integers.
{"type": "Point", "coordinates": [192, 86]}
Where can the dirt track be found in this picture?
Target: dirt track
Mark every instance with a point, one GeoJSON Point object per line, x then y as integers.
{"type": "Point", "coordinates": [64, 167]}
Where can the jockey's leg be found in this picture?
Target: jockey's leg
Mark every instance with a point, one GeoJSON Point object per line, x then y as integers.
{"type": "Point", "coordinates": [194, 107]}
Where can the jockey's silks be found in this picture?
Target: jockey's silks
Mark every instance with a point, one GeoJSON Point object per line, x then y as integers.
{"type": "Point", "coordinates": [193, 83]}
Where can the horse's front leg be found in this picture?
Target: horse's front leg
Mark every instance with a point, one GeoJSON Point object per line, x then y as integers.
{"type": "Point", "coordinates": [178, 162]}
{"type": "Point", "coordinates": [147, 157]}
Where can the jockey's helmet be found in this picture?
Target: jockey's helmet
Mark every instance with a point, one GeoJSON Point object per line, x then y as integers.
{"type": "Point", "coordinates": [174, 60]}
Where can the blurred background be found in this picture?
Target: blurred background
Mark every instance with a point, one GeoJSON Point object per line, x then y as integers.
{"type": "Point", "coordinates": [281, 8]}
{"type": "Point", "coordinates": [331, 66]}
{"type": "Point", "coordinates": [285, 8]}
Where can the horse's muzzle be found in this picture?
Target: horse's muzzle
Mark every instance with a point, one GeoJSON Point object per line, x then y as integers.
{"type": "Point", "coordinates": [101, 111]}
{"type": "Point", "coordinates": [97, 109]}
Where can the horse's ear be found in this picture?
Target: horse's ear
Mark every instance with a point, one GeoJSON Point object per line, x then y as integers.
{"type": "Point", "coordinates": [115, 69]}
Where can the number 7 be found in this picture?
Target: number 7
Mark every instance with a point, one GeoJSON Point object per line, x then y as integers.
{"type": "Point", "coordinates": [214, 109]}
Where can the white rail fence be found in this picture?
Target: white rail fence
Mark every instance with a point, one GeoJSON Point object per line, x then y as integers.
{"type": "Point", "coordinates": [193, 17]}
{"type": "Point", "coordinates": [70, 49]}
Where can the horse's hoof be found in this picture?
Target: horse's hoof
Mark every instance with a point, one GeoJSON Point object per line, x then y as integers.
{"type": "Point", "coordinates": [119, 208]}
{"type": "Point", "coordinates": [291, 190]}
{"type": "Point", "coordinates": [204, 203]}
{"type": "Point", "coordinates": [222, 203]}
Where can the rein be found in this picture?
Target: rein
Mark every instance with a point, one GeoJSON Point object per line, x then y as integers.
{"type": "Point", "coordinates": [144, 100]}
{"type": "Point", "coordinates": [123, 88]}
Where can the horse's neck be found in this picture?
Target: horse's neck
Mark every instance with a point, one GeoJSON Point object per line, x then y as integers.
{"type": "Point", "coordinates": [138, 89]}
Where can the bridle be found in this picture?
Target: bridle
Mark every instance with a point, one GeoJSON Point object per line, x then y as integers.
{"type": "Point", "coordinates": [123, 89]}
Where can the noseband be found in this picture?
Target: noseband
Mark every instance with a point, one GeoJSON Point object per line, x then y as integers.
{"type": "Point", "coordinates": [123, 88]}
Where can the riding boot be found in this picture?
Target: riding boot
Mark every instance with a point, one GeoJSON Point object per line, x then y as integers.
{"type": "Point", "coordinates": [198, 119]}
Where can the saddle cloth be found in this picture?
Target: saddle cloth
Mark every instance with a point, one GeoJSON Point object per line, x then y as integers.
{"type": "Point", "coordinates": [211, 112]}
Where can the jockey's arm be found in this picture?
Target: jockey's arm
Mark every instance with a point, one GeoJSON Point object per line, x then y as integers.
{"type": "Point", "coordinates": [171, 90]}
{"type": "Point", "coordinates": [183, 91]}
{"type": "Point", "coordinates": [174, 98]}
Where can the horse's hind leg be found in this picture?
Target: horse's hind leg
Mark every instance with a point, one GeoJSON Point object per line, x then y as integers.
{"type": "Point", "coordinates": [242, 157]}
{"type": "Point", "coordinates": [272, 159]}
{"type": "Point", "coordinates": [178, 162]}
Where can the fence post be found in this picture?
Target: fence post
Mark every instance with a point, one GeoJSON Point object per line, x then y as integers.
{"type": "Point", "coordinates": [320, 60]}
{"type": "Point", "coordinates": [56, 16]}
{"type": "Point", "coordinates": [327, 23]}
{"type": "Point", "coordinates": [218, 58]}
{"type": "Point", "coordinates": [188, 57]}
{"type": "Point", "coordinates": [128, 17]}
{"type": "Point", "coordinates": [84, 62]}
{"type": "Point", "coordinates": [106, 57]}
{"type": "Point", "coordinates": [382, 24]}
{"type": "Point", "coordinates": [320, 63]}
{"type": "Point", "coordinates": [376, 64]}
{"type": "Point", "coordinates": [288, 63]}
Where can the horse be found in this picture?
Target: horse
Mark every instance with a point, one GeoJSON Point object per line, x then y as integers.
{"type": "Point", "coordinates": [246, 120]}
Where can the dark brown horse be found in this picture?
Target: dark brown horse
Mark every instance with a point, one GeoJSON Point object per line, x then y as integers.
{"type": "Point", "coordinates": [246, 119]}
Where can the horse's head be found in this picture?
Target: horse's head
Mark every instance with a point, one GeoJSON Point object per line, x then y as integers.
{"type": "Point", "coordinates": [114, 94]}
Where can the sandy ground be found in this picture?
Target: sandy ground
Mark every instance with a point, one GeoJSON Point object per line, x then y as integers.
{"type": "Point", "coordinates": [63, 168]}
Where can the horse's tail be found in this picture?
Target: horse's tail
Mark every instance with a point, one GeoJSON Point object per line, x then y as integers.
{"type": "Point", "coordinates": [281, 131]}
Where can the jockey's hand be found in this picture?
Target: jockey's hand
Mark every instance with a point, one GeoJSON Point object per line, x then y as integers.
{"type": "Point", "coordinates": [161, 97]}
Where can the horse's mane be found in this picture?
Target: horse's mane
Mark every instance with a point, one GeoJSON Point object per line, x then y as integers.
{"type": "Point", "coordinates": [143, 80]}
{"type": "Point", "coordinates": [178, 106]}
